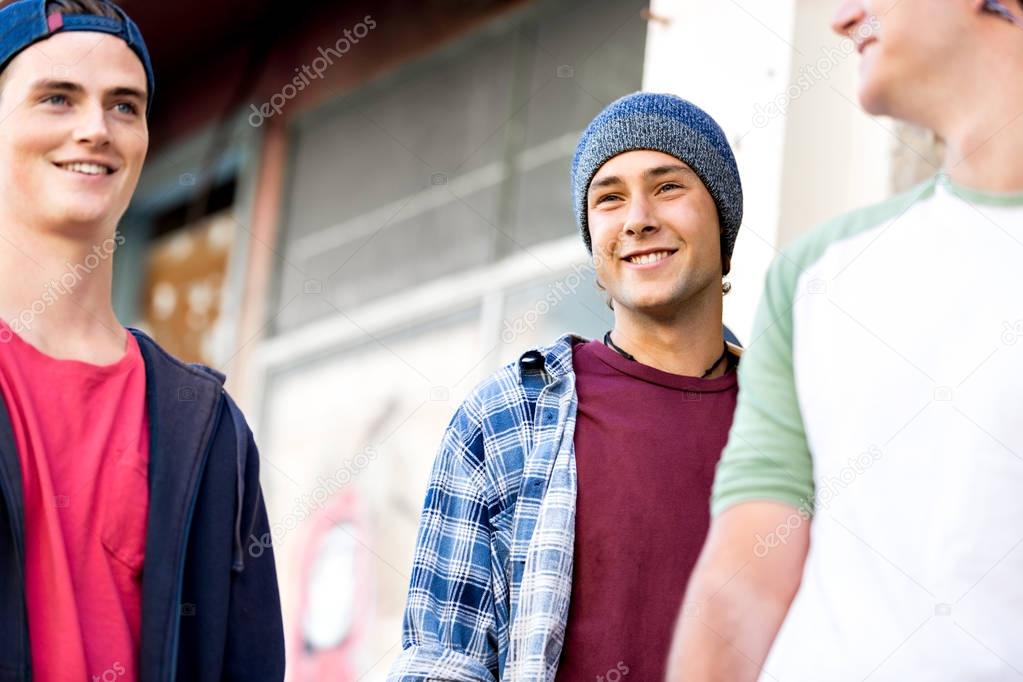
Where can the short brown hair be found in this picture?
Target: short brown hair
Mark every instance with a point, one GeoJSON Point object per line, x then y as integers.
{"type": "Point", "coordinates": [99, 8]}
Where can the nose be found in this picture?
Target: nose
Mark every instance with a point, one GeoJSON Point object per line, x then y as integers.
{"type": "Point", "coordinates": [849, 14]}
{"type": "Point", "coordinates": [91, 127]}
{"type": "Point", "coordinates": [640, 220]}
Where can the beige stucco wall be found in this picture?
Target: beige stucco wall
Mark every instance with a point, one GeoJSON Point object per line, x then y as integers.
{"type": "Point", "coordinates": [784, 88]}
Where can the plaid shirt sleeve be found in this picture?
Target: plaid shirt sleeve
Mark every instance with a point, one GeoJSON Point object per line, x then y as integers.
{"type": "Point", "coordinates": [449, 629]}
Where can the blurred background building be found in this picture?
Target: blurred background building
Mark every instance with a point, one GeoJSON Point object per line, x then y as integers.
{"type": "Point", "coordinates": [359, 210]}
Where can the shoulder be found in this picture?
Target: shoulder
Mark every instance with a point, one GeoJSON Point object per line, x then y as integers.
{"type": "Point", "coordinates": [505, 386]}
{"type": "Point", "coordinates": [192, 387]}
{"type": "Point", "coordinates": [809, 248]}
{"type": "Point", "coordinates": [495, 417]}
{"type": "Point", "coordinates": [157, 359]}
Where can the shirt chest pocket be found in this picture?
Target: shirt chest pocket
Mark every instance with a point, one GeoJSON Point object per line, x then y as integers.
{"type": "Point", "coordinates": [124, 511]}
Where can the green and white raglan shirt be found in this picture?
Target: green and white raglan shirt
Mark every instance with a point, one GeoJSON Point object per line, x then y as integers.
{"type": "Point", "coordinates": [882, 393]}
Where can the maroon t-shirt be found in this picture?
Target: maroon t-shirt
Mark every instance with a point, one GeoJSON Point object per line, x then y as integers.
{"type": "Point", "coordinates": [646, 445]}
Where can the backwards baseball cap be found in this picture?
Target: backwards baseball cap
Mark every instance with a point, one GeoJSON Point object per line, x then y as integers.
{"type": "Point", "coordinates": [25, 22]}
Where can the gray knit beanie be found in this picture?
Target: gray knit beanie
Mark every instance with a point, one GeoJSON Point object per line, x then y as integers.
{"type": "Point", "coordinates": [669, 124]}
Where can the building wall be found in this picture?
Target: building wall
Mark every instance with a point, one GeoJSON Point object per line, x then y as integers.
{"type": "Point", "coordinates": [205, 114]}
{"type": "Point", "coordinates": [197, 92]}
{"type": "Point", "coordinates": [783, 87]}
{"type": "Point", "coordinates": [404, 227]}
{"type": "Point", "coordinates": [425, 238]}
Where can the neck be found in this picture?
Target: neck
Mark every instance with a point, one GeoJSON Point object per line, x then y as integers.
{"type": "Point", "coordinates": [984, 141]}
{"type": "Point", "coordinates": [686, 343]}
{"type": "Point", "coordinates": [56, 294]}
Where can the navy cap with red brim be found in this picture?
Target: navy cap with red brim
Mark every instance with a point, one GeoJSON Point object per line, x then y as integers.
{"type": "Point", "coordinates": [25, 22]}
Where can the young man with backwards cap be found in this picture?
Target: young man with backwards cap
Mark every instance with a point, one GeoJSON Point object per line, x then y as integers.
{"type": "Point", "coordinates": [129, 480]}
{"type": "Point", "coordinates": [569, 496]}
{"type": "Point", "coordinates": [876, 461]}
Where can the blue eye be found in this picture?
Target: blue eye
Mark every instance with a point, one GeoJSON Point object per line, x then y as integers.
{"type": "Point", "coordinates": [130, 108]}
{"type": "Point", "coordinates": [56, 99]}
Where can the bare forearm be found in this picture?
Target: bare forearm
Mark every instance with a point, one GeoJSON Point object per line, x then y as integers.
{"type": "Point", "coordinates": [739, 594]}
{"type": "Point", "coordinates": [725, 630]}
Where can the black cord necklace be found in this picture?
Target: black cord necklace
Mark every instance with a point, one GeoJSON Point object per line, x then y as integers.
{"type": "Point", "coordinates": [613, 346]}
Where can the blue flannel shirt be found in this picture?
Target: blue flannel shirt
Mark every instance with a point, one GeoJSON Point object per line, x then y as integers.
{"type": "Point", "coordinates": [492, 572]}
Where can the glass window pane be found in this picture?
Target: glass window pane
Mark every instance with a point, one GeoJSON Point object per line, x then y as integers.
{"type": "Point", "coordinates": [536, 314]}
{"type": "Point", "coordinates": [459, 161]}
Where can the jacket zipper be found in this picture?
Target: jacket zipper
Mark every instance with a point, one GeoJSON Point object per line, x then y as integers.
{"type": "Point", "coordinates": [17, 520]}
{"type": "Point", "coordinates": [19, 539]}
{"type": "Point", "coordinates": [184, 540]}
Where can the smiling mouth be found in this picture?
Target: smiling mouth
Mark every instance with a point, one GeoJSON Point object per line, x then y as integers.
{"type": "Point", "coordinates": [865, 44]}
{"type": "Point", "coordinates": [86, 168]}
{"type": "Point", "coordinates": [648, 258]}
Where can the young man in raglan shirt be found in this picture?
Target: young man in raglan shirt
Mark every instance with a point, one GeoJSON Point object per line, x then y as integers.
{"type": "Point", "coordinates": [876, 460]}
{"type": "Point", "coordinates": [570, 491]}
{"type": "Point", "coordinates": [129, 480]}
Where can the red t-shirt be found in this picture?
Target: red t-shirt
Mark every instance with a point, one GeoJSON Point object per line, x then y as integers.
{"type": "Point", "coordinates": [83, 443]}
{"type": "Point", "coordinates": [646, 446]}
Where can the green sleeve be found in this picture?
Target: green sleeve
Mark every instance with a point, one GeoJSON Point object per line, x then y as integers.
{"type": "Point", "coordinates": [767, 457]}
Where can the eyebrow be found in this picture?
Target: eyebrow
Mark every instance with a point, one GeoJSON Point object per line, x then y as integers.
{"type": "Point", "coordinates": [68, 86]}
{"type": "Point", "coordinates": [650, 174]}
{"type": "Point", "coordinates": [129, 92]}
{"type": "Point", "coordinates": [65, 86]}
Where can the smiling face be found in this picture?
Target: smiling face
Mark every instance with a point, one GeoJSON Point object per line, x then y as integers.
{"type": "Point", "coordinates": [74, 134]}
{"type": "Point", "coordinates": [911, 53]}
{"type": "Point", "coordinates": [655, 232]}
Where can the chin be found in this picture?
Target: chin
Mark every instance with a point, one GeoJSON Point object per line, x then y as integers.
{"type": "Point", "coordinates": [883, 102]}
{"type": "Point", "coordinates": [79, 216]}
{"type": "Point", "coordinates": [883, 81]}
{"type": "Point", "coordinates": [652, 304]}
{"type": "Point", "coordinates": [873, 94]}
{"type": "Point", "coordinates": [874, 102]}
{"type": "Point", "coordinates": [872, 105]}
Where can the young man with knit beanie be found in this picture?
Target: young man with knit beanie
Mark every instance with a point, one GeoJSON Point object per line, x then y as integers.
{"type": "Point", "coordinates": [569, 497]}
{"type": "Point", "coordinates": [129, 481]}
{"type": "Point", "coordinates": [868, 521]}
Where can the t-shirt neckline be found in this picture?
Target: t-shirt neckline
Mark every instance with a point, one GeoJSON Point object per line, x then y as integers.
{"type": "Point", "coordinates": [976, 196]}
{"type": "Point", "coordinates": [9, 335]}
{"type": "Point", "coordinates": [652, 375]}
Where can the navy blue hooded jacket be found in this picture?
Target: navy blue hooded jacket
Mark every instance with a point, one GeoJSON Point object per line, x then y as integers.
{"type": "Point", "coordinates": [210, 609]}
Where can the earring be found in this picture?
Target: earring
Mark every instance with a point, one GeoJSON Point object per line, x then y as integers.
{"type": "Point", "coordinates": [725, 287]}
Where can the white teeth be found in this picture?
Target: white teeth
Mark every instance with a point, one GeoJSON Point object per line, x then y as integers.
{"type": "Point", "coordinates": [86, 168]}
{"type": "Point", "coordinates": [649, 257]}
